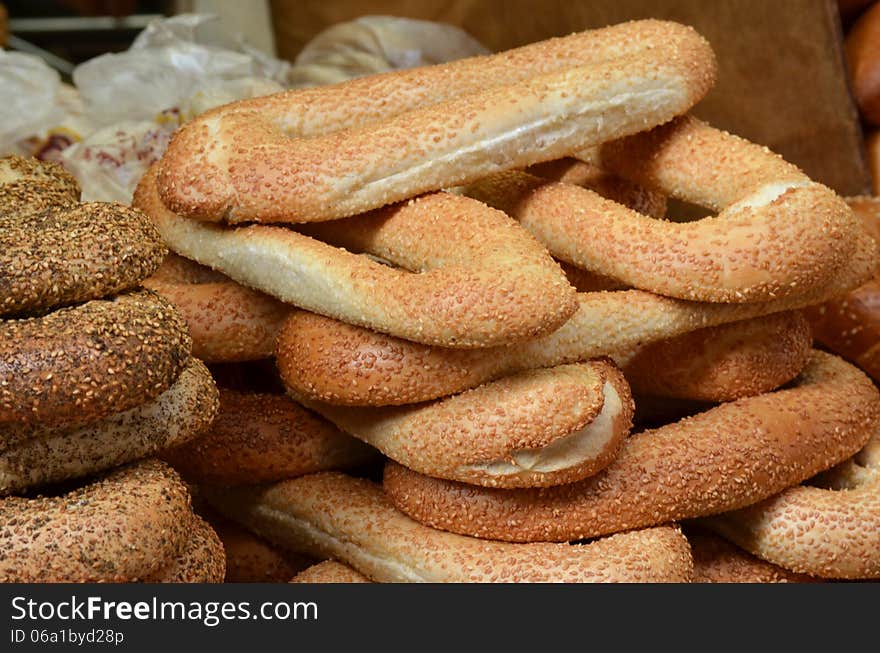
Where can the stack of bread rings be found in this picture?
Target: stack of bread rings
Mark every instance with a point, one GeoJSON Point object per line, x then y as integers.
{"type": "Point", "coordinates": [96, 378]}
{"type": "Point", "coordinates": [476, 286]}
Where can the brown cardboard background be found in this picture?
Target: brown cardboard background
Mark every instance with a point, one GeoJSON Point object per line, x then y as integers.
{"type": "Point", "coordinates": [782, 76]}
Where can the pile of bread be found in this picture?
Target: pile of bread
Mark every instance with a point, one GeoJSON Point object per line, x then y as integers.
{"type": "Point", "coordinates": [96, 377]}
{"type": "Point", "coordinates": [458, 340]}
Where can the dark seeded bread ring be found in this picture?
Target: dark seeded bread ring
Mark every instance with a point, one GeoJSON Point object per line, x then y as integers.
{"type": "Point", "coordinates": [201, 561]}
{"type": "Point", "coordinates": [73, 254]}
{"type": "Point", "coordinates": [79, 364]}
{"type": "Point", "coordinates": [32, 456]}
{"type": "Point", "coordinates": [118, 527]}
{"type": "Point", "coordinates": [56, 251]}
{"type": "Point", "coordinates": [30, 186]}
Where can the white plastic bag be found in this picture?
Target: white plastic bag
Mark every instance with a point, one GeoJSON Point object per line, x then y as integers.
{"type": "Point", "coordinates": [110, 162]}
{"type": "Point", "coordinates": [39, 115]}
{"type": "Point", "coordinates": [175, 69]}
{"type": "Point", "coordinates": [171, 60]}
{"type": "Point", "coordinates": [30, 88]}
{"type": "Point", "coordinates": [180, 67]}
{"type": "Point", "coordinates": [377, 44]}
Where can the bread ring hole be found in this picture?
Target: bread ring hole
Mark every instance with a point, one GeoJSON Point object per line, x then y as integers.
{"type": "Point", "coordinates": [259, 376]}
{"type": "Point", "coordinates": [681, 211]}
{"type": "Point", "coordinates": [321, 233]}
{"type": "Point", "coordinates": [653, 412]}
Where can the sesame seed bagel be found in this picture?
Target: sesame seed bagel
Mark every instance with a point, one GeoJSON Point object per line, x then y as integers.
{"type": "Point", "coordinates": [728, 457]}
{"type": "Point", "coordinates": [537, 428]}
{"type": "Point", "coordinates": [36, 455]}
{"type": "Point", "coordinates": [67, 252]}
{"type": "Point", "coordinates": [778, 233]}
{"type": "Point", "coordinates": [76, 365]}
{"type": "Point", "coordinates": [828, 527]}
{"type": "Point", "coordinates": [336, 151]}
{"type": "Point", "coordinates": [258, 438]}
{"type": "Point", "coordinates": [718, 561]}
{"type": "Point", "coordinates": [723, 363]}
{"type": "Point", "coordinates": [201, 561]}
{"type": "Point", "coordinates": [338, 363]}
{"type": "Point", "coordinates": [122, 526]}
{"type": "Point", "coordinates": [28, 185]}
{"type": "Point", "coordinates": [227, 321]}
{"type": "Point", "coordinates": [470, 277]}
{"type": "Point", "coordinates": [330, 571]}
{"type": "Point", "coordinates": [331, 515]}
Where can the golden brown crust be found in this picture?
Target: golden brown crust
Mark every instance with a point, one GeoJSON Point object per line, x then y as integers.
{"type": "Point", "coordinates": [258, 438]}
{"type": "Point", "coordinates": [862, 48]}
{"type": "Point", "coordinates": [325, 153]}
{"type": "Point", "coordinates": [730, 456]}
{"type": "Point", "coordinates": [36, 455]}
{"type": "Point", "coordinates": [121, 526]}
{"type": "Point", "coordinates": [227, 321]}
{"type": "Point", "coordinates": [79, 364]}
{"type": "Point", "coordinates": [201, 561]}
{"type": "Point", "coordinates": [778, 234]}
{"type": "Point", "coordinates": [470, 277]}
{"type": "Point", "coordinates": [330, 571]}
{"type": "Point", "coordinates": [327, 360]}
{"type": "Point", "coordinates": [536, 428]}
{"type": "Point", "coordinates": [330, 515]}
{"type": "Point", "coordinates": [718, 561]}
{"type": "Point", "coordinates": [55, 251]}
{"type": "Point", "coordinates": [723, 363]}
{"type": "Point", "coordinates": [828, 527]}
{"type": "Point", "coordinates": [338, 363]}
